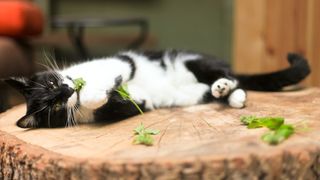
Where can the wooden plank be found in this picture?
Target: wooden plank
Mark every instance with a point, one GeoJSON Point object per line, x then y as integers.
{"type": "Point", "coordinates": [313, 40]}
{"type": "Point", "coordinates": [286, 26]}
{"type": "Point", "coordinates": [198, 142]}
{"type": "Point", "coordinates": [248, 35]}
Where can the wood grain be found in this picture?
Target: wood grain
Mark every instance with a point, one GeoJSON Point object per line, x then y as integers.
{"type": "Point", "coordinates": [198, 142]}
{"type": "Point", "coordinates": [266, 30]}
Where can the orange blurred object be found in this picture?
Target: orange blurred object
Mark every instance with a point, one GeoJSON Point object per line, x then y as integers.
{"type": "Point", "coordinates": [20, 19]}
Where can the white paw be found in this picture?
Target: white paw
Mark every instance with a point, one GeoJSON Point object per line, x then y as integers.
{"type": "Point", "coordinates": [222, 87]}
{"type": "Point", "coordinates": [237, 98]}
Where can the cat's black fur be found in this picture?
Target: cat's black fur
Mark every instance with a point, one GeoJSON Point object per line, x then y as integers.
{"type": "Point", "coordinates": [43, 111]}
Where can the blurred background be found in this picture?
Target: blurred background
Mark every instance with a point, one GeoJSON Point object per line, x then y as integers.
{"type": "Point", "coordinates": [204, 26]}
{"type": "Point", "coordinates": [254, 36]}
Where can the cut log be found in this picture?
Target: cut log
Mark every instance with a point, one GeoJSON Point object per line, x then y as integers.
{"type": "Point", "coordinates": [198, 142]}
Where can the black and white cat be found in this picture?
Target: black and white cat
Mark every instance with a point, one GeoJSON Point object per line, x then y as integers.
{"type": "Point", "coordinates": [154, 79]}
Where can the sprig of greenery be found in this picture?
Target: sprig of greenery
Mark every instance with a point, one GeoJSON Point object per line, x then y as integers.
{"type": "Point", "coordinates": [123, 92]}
{"type": "Point", "coordinates": [278, 130]}
{"type": "Point", "coordinates": [272, 123]}
{"type": "Point", "coordinates": [143, 135]}
{"type": "Point", "coordinates": [79, 83]}
{"type": "Point", "coordinates": [278, 135]}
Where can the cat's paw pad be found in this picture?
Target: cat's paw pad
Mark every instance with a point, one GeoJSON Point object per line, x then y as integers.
{"type": "Point", "coordinates": [237, 98]}
{"type": "Point", "coordinates": [222, 87]}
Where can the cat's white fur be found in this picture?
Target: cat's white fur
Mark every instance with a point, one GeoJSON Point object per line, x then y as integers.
{"type": "Point", "coordinates": [175, 86]}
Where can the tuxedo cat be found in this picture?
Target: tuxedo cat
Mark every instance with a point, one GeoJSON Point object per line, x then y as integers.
{"type": "Point", "coordinates": [160, 79]}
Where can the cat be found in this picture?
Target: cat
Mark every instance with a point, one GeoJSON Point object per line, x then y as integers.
{"type": "Point", "coordinates": [154, 79]}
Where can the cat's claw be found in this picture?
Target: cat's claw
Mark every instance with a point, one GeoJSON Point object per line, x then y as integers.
{"type": "Point", "coordinates": [237, 98]}
{"type": "Point", "coordinates": [222, 87]}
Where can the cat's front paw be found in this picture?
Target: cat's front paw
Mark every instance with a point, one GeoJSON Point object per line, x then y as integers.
{"type": "Point", "coordinates": [237, 98]}
{"type": "Point", "coordinates": [222, 87]}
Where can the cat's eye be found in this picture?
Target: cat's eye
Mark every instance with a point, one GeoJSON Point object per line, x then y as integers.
{"type": "Point", "coordinates": [53, 85]}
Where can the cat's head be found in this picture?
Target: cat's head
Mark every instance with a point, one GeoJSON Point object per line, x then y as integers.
{"type": "Point", "coordinates": [46, 97]}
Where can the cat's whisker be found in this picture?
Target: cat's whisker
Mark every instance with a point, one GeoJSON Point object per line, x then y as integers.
{"type": "Point", "coordinates": [49, 116]}
{"type": "Point", "coordinates": [68, 117]}
{"type": "Point", "coordinates": [72, 117]}
{"type": "Point", "coordinates": [34, 88]}
{"type": "Point", "coordinates": [45, 66]}
{"type": "Point", "coordinates": [51, 62]}
{"type": "Point", "coordinates": [79, 110]}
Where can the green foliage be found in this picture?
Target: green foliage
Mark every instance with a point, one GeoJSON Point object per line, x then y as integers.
{"type": "Point", "coordinates": [278, 130]}
{"type": "Point", "coordinates": [272, 123]}
{"type": "Point", "coordinates": [123, 92]}
{"type": "Point", "coordinates": [143, 135]}
{"type": "Point", "coordinates": [78, 84]}
{"type": "Point", "coordinates": [278, 135]}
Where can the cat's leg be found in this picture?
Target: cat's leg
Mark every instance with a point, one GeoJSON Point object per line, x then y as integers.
{"type": "Point", "coordinates": [222, 87]}
{"type": "Point", "coordinates": [91, 96]}
{"type": "Point", "coordinates": [227, 87]}
{"type": "Point", "coordinates": [237, 98]}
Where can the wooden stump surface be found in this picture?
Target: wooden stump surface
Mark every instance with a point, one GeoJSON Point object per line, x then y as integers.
{"type": "Point", "coordinates": [198, 142]}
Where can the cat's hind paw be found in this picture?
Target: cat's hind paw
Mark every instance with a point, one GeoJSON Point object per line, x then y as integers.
{"type": "Point", "coordinates": [237, 98]}
{"type": "Point", "coordinates": [222, 87]}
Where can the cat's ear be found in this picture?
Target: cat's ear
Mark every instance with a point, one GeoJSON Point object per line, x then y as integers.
{"type": "Point", "coordinates": [27, 121]}
{"type": "Point", "coordinates": [20, 84]}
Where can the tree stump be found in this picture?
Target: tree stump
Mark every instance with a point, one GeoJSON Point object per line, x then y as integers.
{"type": "Point", "coordinates": [198, 142]}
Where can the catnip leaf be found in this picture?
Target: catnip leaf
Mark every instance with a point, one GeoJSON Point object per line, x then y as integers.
{"type": "Point", "coordinates": [152, 131]}
{"type": "Point", "coordinates": [78, 84]}
{"type": "Point", "coordinates": [139, 129]}
{"type": "Point", "coordinates": [143, 135]}
{"type": "Point", "coordinates": [279, 135]}
{"type": "Point", "coordinates": [285, 130]}
{"type": "Point", "coordinates": [270, 138]}
{"type": "Point", "coordinates": [278, 130]}
{"type": "Point", "coordinates": [269, 122]}
{"type": "Point", "coordinates": [123, 92]}
{"type": "Point", "coordinates": [247, 119]}
{"type": "Point", "coordinates": [145, 139]}
{"type": "Point", "coordinates": [272, 123]}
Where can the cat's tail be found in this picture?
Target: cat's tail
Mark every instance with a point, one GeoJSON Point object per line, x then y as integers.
{"type": "Point", "coordinates": [275, 81]}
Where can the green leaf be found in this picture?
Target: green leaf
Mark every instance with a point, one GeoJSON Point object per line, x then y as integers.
{"type": "Point", "coordinates": [270, 138]}
{"type": "Point", "coordinates": [272, 122]}
{"type": "Point", "coordinates": [78, 84]}
{"type": "Point", "coordinates": [123, 92]}
{"type": "Point", "coordinates": [269, 122]}
{"type": "Point", "coordinates": [247, 119]}
{"type": "Point", "coordinates": [144, 136]}
{"type": "Point", "coordinates": [152, 131]}
{"type": "Point", "coordinates": [278, 130]}
{"type": "Point", "coordinates": [140, 129]}
{"type": "Point", "coordinates": [279, 135]}
{"type": "Point", "coordinates": [145, 139]}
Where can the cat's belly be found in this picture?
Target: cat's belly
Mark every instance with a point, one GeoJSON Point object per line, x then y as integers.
{"type": "Point", "coordinates": [171, 90]}
{"type": "Point", "coordinates": [174, 85]}
{"type": "Point", "coordinates": [186, 95]}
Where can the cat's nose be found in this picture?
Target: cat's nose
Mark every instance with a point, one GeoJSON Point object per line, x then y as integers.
{"type": "Point", "coordinates": [68, 91]}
